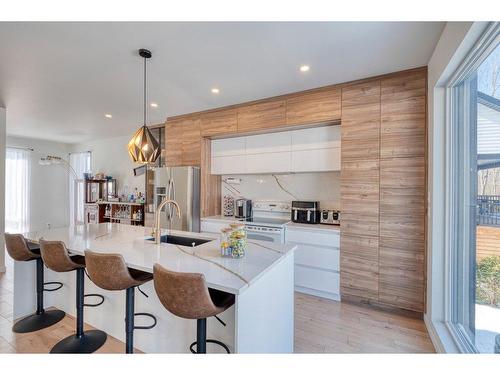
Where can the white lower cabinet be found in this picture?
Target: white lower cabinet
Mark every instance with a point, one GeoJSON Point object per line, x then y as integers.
{"type": "Point", "coordinates": [317, 261]}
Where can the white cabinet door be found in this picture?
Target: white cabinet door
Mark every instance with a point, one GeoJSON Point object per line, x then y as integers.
{"type": "Point", "coordinates": [316, 138]}
{"type": "Point", "coordinates": [272, 162]}
{"type": "Point", "coordinates": [316, 160]}
{"type": "Point", "coordinates": [228, 164]}
{"type": "Point", "coordinates": [228, 147]}
{"type": "Point", "coordinates": [264, 143]}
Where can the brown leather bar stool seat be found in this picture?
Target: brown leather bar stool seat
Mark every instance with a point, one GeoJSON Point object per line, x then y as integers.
{"type": "Point", "coordinates": [56, 257]}
{"type": "Point", "coordinates": [187, 296]}
{"type": "Point", "coordinates": [110, 272]}
{"type": "Point", "coordinates": [23, 251]}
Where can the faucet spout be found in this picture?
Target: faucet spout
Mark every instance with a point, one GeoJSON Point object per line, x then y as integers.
{"type": "Point", "coordinates": [156, 229]}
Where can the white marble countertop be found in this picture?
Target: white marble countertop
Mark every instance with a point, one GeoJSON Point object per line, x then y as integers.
{"type": "Point", "coordinates": [230, 275]}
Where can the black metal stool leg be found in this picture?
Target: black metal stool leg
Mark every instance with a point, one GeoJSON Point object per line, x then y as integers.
{"type": "Point", "coordinates": [129, 320]}
{"type": "Point", "coordinates": [41, 319]}
{"type": "Point", "coordinates": [82, 341]}
{"type": "Point", "coordinates": [201, 339]}
{"type": "Point", "coordinates": [201, 336]}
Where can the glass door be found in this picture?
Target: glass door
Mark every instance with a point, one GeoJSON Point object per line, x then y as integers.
{"type": "Point", "coordinates": [474, 207]}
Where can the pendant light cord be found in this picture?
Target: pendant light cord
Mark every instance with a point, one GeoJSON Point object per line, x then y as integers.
{"type": "Point", "coordinates": [145, 91]}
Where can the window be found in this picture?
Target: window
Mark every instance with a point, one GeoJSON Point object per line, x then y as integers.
{"type": "Point", "coordinates": [474, 205]}
{"type": "Point", "coordinates": [17, 177]}
{"type": "Point", "coordinates": [80, 162]}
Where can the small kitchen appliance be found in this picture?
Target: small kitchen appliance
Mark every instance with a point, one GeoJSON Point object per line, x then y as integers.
{"type": "Point", "coordinates": [331, 217]}
{"type": "Point", "coordinates": [242, 208]}
{"type": "Point", "coordinates": [305, 212]}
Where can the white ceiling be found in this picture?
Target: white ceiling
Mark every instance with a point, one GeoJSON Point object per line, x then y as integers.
{"type": "Point", "coordinates": [57, 80]}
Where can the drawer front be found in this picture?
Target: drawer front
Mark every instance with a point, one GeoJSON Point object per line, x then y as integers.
{"type": "Point", "coordinates": [319, 257]}
{"type": "Point", "coordinates": [313, 238]}
{"type": "Point", "coordinates": [312, 278]}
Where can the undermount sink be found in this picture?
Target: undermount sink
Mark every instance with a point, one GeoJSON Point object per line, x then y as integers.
{"type": "Point", "coordinates": [180, 240]}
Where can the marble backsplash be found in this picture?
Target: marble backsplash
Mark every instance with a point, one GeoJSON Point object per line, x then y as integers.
{"type": "Point", "coordinates": [320, 186]}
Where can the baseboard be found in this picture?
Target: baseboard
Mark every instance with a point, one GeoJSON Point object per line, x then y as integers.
{"type": "Point", "coordinates": [382, 307]}
{"type": "Point", "coordinates": [436, 341]}
{"type": "Point", "coordinates": [317, 293]}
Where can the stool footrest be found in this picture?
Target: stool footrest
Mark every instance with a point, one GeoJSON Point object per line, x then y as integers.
{"type": "Point", "coordinates": [59, 286]}
{"type": "Point", "coordinates": [224, 346]}
{"type": "Point", "coordinates": [148, 315]}
{"type": "Point", "coordinates": [94, 304]}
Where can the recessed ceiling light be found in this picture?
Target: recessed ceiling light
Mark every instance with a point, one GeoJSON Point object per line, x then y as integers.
{"type": "Point", "coordinates": [107, 115]}
{"type": "Point", "coordinates": [215, 90]}
{"type": "Point", "coordinates": [154, 105]}
{"type": "Point", "coordinates": [304, 68]}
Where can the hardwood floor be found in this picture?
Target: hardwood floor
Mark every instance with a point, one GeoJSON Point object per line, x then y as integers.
{"type": "Point", "coordinates": [321, 326]}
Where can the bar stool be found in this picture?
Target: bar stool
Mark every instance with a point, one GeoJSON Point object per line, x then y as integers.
{"type": "Point", "coordinates": [56, 257]}
{"type": "Point", "coordinates": [22, 251]}
{"type": "Point", "coordinates": [110, 272]}
{"type": "Point", "coordinates": [187, 296]}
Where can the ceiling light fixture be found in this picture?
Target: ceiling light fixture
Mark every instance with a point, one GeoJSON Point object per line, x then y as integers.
{"type": "Point", "coordinates": [143, 147]}
{"type": "Point", "coordinates": [304, 68]}
{"type": "Point", "coordinates": [107, 115]}
{"type": "Point", "coordinates": [215, 90]}
{"type": "Point", "coordinates": [154, 105]}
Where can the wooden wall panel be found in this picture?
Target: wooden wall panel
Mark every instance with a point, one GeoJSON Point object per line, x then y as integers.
{"type": "Point", "coordinates": [359, 267]}
{"type": "Point", "coordinates": [261, 116]}
{"type": "Point", "coordinates": [401, 268]}
{"type": "Point", "coordinates": [403, 172]}
{"type": "Point", "coordinates": [210, 184]}
{"type": "Point", "coordinates": [361, 121]}
{"type": "Point", "coordinates": [360, 197]}
{"type": "Point", "coordinates": [403, 115]}
{"type": "Point", "coordinates": [223, 122]}
{"type": "Point", "coordinates": [360, 173]}
{"type": "Point", "coordinates": [173, 143]}
{"type": "Point", "coordinates": [313, 107]}
{"type": "Point", "coordinates": [191, 141]}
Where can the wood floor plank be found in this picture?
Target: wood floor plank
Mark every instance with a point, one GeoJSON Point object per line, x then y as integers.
{"type": "Point", "coordinates": [321, 326]}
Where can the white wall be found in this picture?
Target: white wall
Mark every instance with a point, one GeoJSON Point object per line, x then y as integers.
{"type": "Point", "coordinates": [2, 188]}
{"type": "Point", "coordinates": [110, 156]}
{"type": "Point", "coordinates": [456, 41]}
{"type": "Point", "coordinates": [49, 196]}
{"type": "Point", "coordinates": [323, 187]}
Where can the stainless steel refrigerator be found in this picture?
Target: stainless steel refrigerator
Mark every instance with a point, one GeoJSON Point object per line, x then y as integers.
{"type": "Point", "coordinates": [181, 184]}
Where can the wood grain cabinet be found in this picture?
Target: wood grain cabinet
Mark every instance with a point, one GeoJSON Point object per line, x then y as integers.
{"type": "Point", "coordinates": [314, 107]}
{"type": "Point", "coordinates": [360, 190]}
{"type": "Point", "coordinates": [223, 122]}
{"type": "Point", "coordinates": [261, 116]}
{"type": "Point", "coordinates": [191, 141]}
{"type": "Point", "coordinates": [182, 142]}
{"type": "Point", "coordinates": [403, 115]}
{"type": "Point", "coordinates": [173, 143]}
{"type": "Point", "coordinates": [403, 166]}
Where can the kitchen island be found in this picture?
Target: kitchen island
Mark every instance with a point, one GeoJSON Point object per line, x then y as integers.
{"type": "Point", "coordinates": [261, 321]}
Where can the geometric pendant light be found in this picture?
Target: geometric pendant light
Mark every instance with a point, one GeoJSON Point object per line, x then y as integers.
{"type": "Point", "coordinates": [143, 147]}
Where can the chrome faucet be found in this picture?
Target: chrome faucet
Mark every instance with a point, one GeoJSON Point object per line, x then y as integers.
{"type": "Point", "coordinates": [156, 229]}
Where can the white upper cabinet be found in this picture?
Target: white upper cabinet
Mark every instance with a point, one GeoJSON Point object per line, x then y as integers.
{"type": "Point", "coordinates": [306, 150]}
{"type": "Point", "coordinates": [316, 138]}
{"type": "Point", "coordinates": [228, 147]}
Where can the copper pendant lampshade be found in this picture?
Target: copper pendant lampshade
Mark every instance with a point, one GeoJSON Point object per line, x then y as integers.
{"type": "Point", "coordinates": [143, 147]}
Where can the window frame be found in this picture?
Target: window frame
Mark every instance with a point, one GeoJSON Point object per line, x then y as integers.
{"type": "Point", "coordinates": [456, 89]}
